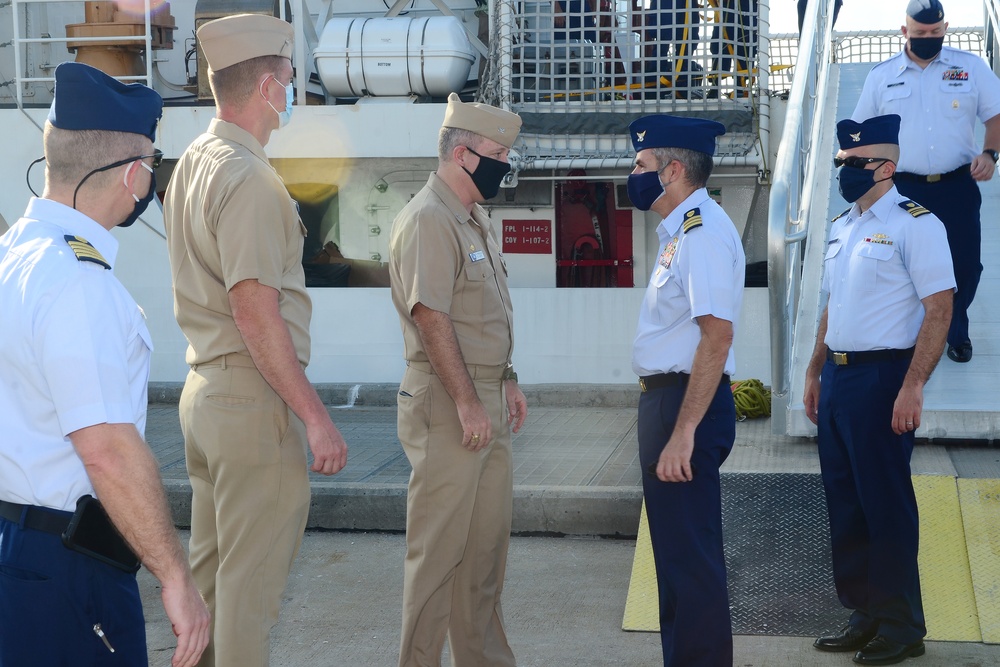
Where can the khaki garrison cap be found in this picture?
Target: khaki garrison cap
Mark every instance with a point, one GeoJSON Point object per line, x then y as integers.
{"type": "Point", "coordinates": [233, 39]}
{"type": "Point", "coordinates": [482, 119]}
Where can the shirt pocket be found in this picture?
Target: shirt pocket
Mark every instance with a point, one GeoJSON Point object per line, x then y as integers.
{"type": "Point", "coordinates": [661, 293]}
{"type": "Point", "coordinates": [830, 262]}
{"type": "Point", "coordinates": [896, 98]}
{"type": "Point", "coordinates": [958, 99]}
{"type": "Point", "coordinates": [871, 263]}
{"type": "Point", "coordinates": [479, 277]}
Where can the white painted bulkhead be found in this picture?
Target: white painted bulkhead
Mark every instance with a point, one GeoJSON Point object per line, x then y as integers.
{"type": "Point", "coordinates": [562, 335]}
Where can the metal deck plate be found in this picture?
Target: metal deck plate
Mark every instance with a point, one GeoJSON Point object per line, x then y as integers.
{"type": "Point", "coordinates": [777, 555]}
{"type": "Point", "coordinates": [778, 558]}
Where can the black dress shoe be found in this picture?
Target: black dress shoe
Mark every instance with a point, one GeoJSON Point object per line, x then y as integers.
{"type": "Point", "coordinates": [883, 651]}
{"type": "Point", "coordinates": [851, 638]}
{"type": "Point", "coordinates": [960, 353]}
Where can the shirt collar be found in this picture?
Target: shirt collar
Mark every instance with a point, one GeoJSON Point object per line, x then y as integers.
{"type": "Point", "coordinates": [880, 209]}
{"type": "Point", "coordinates": [944, 57]}
{"type": "Point", "coordinates": [75, 223]}
{"type": "Point", "coordinates": [670, 224]}
{"type": "Point", "coordinates": [450, 199]}
{"type": "Point", "coordinates": [233, 132]}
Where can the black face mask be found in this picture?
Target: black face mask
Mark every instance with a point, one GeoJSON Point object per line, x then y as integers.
{"type": "Point", "coordinates": [488, 175]}
{"type": "Point", "coordinates": [854, 182]}
{"type": "Point", "coordinates": [141, 204]}
{"type": "Point", "coordinates": [926, 48]}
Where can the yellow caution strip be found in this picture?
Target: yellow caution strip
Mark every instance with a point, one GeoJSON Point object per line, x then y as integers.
{"type": "Point", "coordinates": [981, 513]}
{"type": "Point", "coordinates": [642, 608]}
{"type": "Point", "coordinates": [945, 578]}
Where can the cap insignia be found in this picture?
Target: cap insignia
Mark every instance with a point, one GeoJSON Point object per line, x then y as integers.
{"type": "Point", "coordinates": [856, 137]}
{"type": "Point", "coordinates": [640, 136]}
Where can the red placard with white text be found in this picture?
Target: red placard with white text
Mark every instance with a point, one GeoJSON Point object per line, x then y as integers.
{"type": "Point", "coordinates": [527, 237]}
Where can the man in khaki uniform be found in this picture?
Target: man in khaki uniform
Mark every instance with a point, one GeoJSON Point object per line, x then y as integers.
{"type": "Point", "coordinates": [247, 410]}
{"type": "Point", "coordinates": [458, 397]}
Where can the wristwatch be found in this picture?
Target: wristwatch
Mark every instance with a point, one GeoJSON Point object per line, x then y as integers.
{"type": "Point", "coordinates": [992, 153]}
{"type": "Point", "coordinates": [509, 374]}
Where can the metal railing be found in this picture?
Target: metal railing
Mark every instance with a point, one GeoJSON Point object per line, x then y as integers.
{"type": "Point", "coordinates": [578, 77]}
{"type": "Point", "coordinates": [20, 42]}
{"type": "Point", "coordinates": [793, 176]}
{"type": "Point", "coordinates": [793, 173]}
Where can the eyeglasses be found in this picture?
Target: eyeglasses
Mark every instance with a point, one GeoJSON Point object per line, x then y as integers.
{"type": "Point", "coordinates": [857, 162]}
{"type": "Point", "coordinates": [157, 156]}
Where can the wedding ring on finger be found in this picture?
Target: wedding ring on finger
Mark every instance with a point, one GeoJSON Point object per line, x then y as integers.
{"type": "Point", "coordinates": [475, 437]}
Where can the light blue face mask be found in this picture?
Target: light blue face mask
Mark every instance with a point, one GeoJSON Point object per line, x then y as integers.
{"type": "Point", "coordinates": [283, 116]}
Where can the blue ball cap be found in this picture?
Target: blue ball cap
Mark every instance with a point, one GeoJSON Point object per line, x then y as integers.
{"type": "Point", "coordinates": [877, 130]}
{"type": "Point", "coordinates": [925, 11]}
{"type": "Point", "coordinates": [88, 99]}
{"type": "Point", "coordinates": [662, 131]}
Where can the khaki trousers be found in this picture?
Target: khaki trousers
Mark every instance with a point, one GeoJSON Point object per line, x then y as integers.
{"type": "Point", "coordinates": [247, 462]}
{"type": "Point", "coordinates": [458, 517]}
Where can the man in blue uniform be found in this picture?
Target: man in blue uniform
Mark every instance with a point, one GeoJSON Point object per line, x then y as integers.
{"type": "Point", "coordinates": [890, 288]}
{"type": "Point", "coordinates": [670, 30]}
{"type": "Point", "coordinates": [939, 92]}
{"type": "Point", "coordinates": [802, 11]}
{"type": "Point", "coordinates": [734, 41]}
{"type": "Point", "coordinates": [75, 352]}
{"type": "Point", "coordinates": [683, 356]}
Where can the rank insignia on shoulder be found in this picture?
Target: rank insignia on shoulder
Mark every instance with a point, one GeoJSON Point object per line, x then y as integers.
{"type": "Point", "coordinates": [840, 215]}
{"type": "Point", "coordinates": [84, 251]}
{"type": "Point", "coordinates": [692, 219]}
{"type": "Point", "coordinates": [913, 208]}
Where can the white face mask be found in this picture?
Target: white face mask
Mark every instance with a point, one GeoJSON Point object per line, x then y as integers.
{"type": "Point", "coordinates": [283, 116]}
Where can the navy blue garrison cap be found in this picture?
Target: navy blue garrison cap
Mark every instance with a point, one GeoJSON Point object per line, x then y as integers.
{"type": "Point", "coordinates": [662, 131]}
{"type": "Point", "coordinates": [88, 99]}
{"type": "Point", "coordinates": [877, 130]}
{"type": "Point", "coordinates": [925, 11]}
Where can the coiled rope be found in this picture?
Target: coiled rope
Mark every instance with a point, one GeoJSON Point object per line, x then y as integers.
{"type": "Point", "coordinates": [752, 399]}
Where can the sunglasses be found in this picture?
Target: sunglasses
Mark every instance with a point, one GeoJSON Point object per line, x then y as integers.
{"type": "Point", "coordinates": [857, 162]}
{"type": "Point", "coordinates": [157, 156]}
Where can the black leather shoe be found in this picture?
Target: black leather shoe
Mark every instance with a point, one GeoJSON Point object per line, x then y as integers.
{"type": "Point", "coordinates": [883, 651]}
{"type": "Point", "coordinates": [850, 638]}
{"type": "Point", "coordinates": [961, 353]}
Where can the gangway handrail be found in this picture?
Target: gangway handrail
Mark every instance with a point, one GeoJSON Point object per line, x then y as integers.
{"type": "Point", "coordinates": [790, 196]}
{"type": "Point", "coordinates": [20, 80]}
{"type": "Point", "coordinates": [991, 21]}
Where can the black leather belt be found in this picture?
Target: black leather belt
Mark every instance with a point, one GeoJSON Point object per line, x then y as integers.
{"type": "Point", "coordinates": [867, 357]}
{"type": "Point", "coordinates": [37, 518]}
{"type": "Point", "coordinates": [932, 178]}
{"type": "Point", "coordinates": [661, 380]}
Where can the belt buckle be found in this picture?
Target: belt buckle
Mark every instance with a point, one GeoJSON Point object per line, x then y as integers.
{"type": "Point", "coordinates": [933, 178]}
{"type": "Point", "coordinates": [840, 358]}
{"type": "Point", "coordinates": [642, 383]}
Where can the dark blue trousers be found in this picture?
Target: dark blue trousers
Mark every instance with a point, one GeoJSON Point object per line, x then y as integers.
{"type": "Point", "coordinates": [51, 598]}
{"type": "Point", "coordinates": [736, 38]}
{"type": "Point", "coordinates": [874, 527]}
{"type": "Point", "coordinates": [956, 201]}
{"type": "Point", "coordinates": [685, 527]}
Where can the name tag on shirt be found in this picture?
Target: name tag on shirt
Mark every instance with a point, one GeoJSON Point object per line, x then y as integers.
{"type": "Point", "coordinates": [477, 256]}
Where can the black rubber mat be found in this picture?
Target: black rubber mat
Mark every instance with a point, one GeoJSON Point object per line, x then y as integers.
{"type": "Point", "coordinates": [777, 543]}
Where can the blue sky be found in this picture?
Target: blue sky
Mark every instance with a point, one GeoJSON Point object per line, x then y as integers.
{"type": "Point", "coordinates": [876, 14]}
